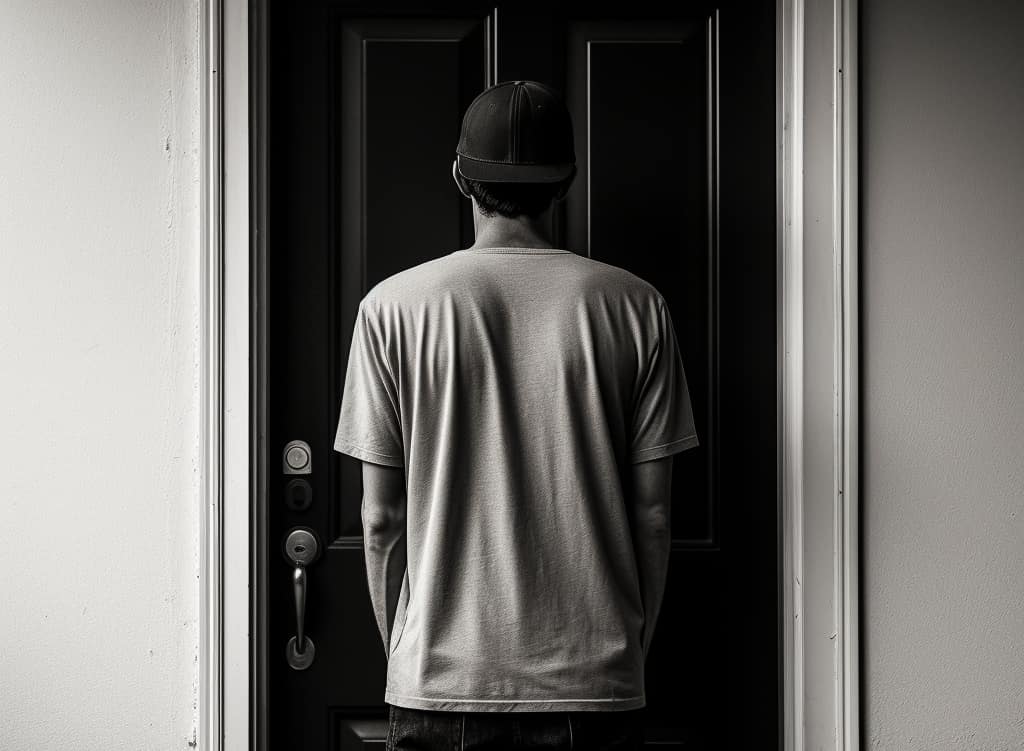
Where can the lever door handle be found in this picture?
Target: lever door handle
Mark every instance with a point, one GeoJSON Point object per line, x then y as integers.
{"type": "Point", "coordinates": [301, 548]}
{"type": "Point", "coordinates": [299, 585]}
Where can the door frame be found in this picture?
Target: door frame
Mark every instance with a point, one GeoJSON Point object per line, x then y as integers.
{"type": "Point", "coordinates": [818, 356]}
{"type": "Point", "coordinates": [819, 367]}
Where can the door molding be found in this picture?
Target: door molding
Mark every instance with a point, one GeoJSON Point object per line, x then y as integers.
{"type": "Point", "coordinates": [212, 362]}
{"type": "Point", "coordinates": [818, 362]}
{"type": "Point", "coordinates": [224, 656]}
{"type": "Point", "coordinates": [818, 519]}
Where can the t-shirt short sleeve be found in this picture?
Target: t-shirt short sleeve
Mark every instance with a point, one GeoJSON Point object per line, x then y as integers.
{"type": "Point", "coordinates": [663, 416]}
{"type": "Point", "coordinates": [369, 425]}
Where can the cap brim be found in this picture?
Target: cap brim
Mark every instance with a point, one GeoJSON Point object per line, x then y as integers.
{"type": "Point", "coordinates": [499, 172]}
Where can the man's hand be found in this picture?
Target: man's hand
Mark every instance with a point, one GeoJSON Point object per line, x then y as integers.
{"type": "Point", "coordinates": [383, 514]}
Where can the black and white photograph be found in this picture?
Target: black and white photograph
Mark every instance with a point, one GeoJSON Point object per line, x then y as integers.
{"type": "Point", "coordinates": [467, 377]}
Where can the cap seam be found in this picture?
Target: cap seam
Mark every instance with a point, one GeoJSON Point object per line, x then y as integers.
{"type": "Point", "coordinates": [513, 118]}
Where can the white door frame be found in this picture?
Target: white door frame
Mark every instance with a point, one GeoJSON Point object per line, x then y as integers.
{"type": "Point", "coordinates": [213, 336]}
{"type": "Point", "coordinates": [817, 356]}
{"type": "Point", "coordinates": [818, 353]}
{"type": "Point", "coordinates": [224, 651]}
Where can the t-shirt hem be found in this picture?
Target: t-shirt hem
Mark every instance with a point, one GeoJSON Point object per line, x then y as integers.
{"type": "Point", "coordinates": [515, 705]}
{"type": "Point", "coordinates": [367, 455]}
{"type": "Point", "coordinates": [664, 449]}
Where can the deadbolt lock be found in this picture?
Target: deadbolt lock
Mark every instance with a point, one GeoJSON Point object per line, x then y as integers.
{"type": "Point", "coordinates": [297, 458]}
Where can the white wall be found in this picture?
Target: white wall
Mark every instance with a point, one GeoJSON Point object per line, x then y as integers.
{"type": "Point", "coordinates": [99, 316]}
{"type": "Point", "coordinates": [943, 374]}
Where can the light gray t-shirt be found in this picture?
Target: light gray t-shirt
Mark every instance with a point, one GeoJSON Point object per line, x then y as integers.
{"type": "Point", "coordinates": [516, 386]}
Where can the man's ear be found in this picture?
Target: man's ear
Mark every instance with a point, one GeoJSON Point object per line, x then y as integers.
{"type": "Point", "coordinates": [566, 184]}
{"type": "Point", "coordinates": [455, 177]}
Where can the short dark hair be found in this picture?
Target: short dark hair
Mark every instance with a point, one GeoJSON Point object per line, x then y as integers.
{"type": "Point", "coordinates": [513, 199]}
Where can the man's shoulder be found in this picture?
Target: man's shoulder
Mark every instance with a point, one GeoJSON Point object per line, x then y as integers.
{"type": "Point", "coordinates": [431, 279]}
{"type": "Point", "coordinates": [423, 279]}
{"type": "Point", "coordinates": [602, 274]}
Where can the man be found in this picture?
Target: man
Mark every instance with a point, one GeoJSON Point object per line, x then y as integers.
{"type": "Point", "coordinates": [516, 407]}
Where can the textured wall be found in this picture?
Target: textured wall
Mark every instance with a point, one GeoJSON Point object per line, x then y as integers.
{"type": "Point", "coordinates": [99, 312]}
{"type": "Point", "coordinates": [943, 374]}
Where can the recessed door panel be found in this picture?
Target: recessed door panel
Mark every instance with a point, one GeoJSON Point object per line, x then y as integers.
{"type": "Point", "coordinates": [642, 100]}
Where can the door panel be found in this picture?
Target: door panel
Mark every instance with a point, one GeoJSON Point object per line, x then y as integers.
{"type": "Point", "coordinates": [643, 202]}
{"type": "Point", "coordinates": [403, 85]}
{"type": "Point", "coordinates": [674, 118]}
{"type": "Point", "coordinates": [642, 95]}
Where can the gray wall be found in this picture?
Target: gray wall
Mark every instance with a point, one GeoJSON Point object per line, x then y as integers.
{"type": "Point", "coordinates": [99, 374]}
{"type": "Point", "coordinates": [942, 150]}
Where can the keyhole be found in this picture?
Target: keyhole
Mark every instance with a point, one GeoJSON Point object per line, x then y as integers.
{"type": "Point", "coordinates": [300, 548]}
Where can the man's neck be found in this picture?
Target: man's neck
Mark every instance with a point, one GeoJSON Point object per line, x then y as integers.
{"type": "Point", "coordinates": [520, 232]}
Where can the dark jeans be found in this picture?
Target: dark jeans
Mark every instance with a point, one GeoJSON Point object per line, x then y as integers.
{"type": "Point", "coordinates": [433, 730]}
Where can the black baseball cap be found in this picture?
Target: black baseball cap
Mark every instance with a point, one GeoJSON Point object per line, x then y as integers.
{"type": "Point", "coordinates": [516, 132]}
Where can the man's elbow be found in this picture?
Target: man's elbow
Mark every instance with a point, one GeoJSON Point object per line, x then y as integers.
{"type": "Point", "coordinates": [382, 520]}
{"type": "Point", "coordinates": [654, 520]}
{"type": "Point", "coordinates": [383, 504]}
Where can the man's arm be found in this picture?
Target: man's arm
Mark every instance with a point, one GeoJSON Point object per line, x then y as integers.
{"type": "Point", "coordinates": [652, 535]}
{"type": "Point", "coordinates": [383, 514]}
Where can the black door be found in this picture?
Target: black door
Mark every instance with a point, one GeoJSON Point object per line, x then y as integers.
{"type": "Point", "coordinates": [358, 108]}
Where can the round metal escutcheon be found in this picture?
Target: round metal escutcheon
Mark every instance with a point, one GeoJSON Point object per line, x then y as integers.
{"type": "Point", "coordinates": [301, 546]}
{"type": "Point", "coordinates": [300, 660]}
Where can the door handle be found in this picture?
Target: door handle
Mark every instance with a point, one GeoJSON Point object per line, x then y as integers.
{"type": "Point", "coordinates": [299, 585]}
{"type": "Point", "coordinates": [300, 548]}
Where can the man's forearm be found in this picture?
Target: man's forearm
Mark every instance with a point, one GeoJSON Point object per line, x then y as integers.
{"type": "Point", "coordinates": [653, 543]}
{"type": "Point", "coordinates": [386, 561]}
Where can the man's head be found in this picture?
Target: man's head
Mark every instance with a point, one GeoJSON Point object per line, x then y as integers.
{"type": "Point", "coordinates": [515, 153]}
